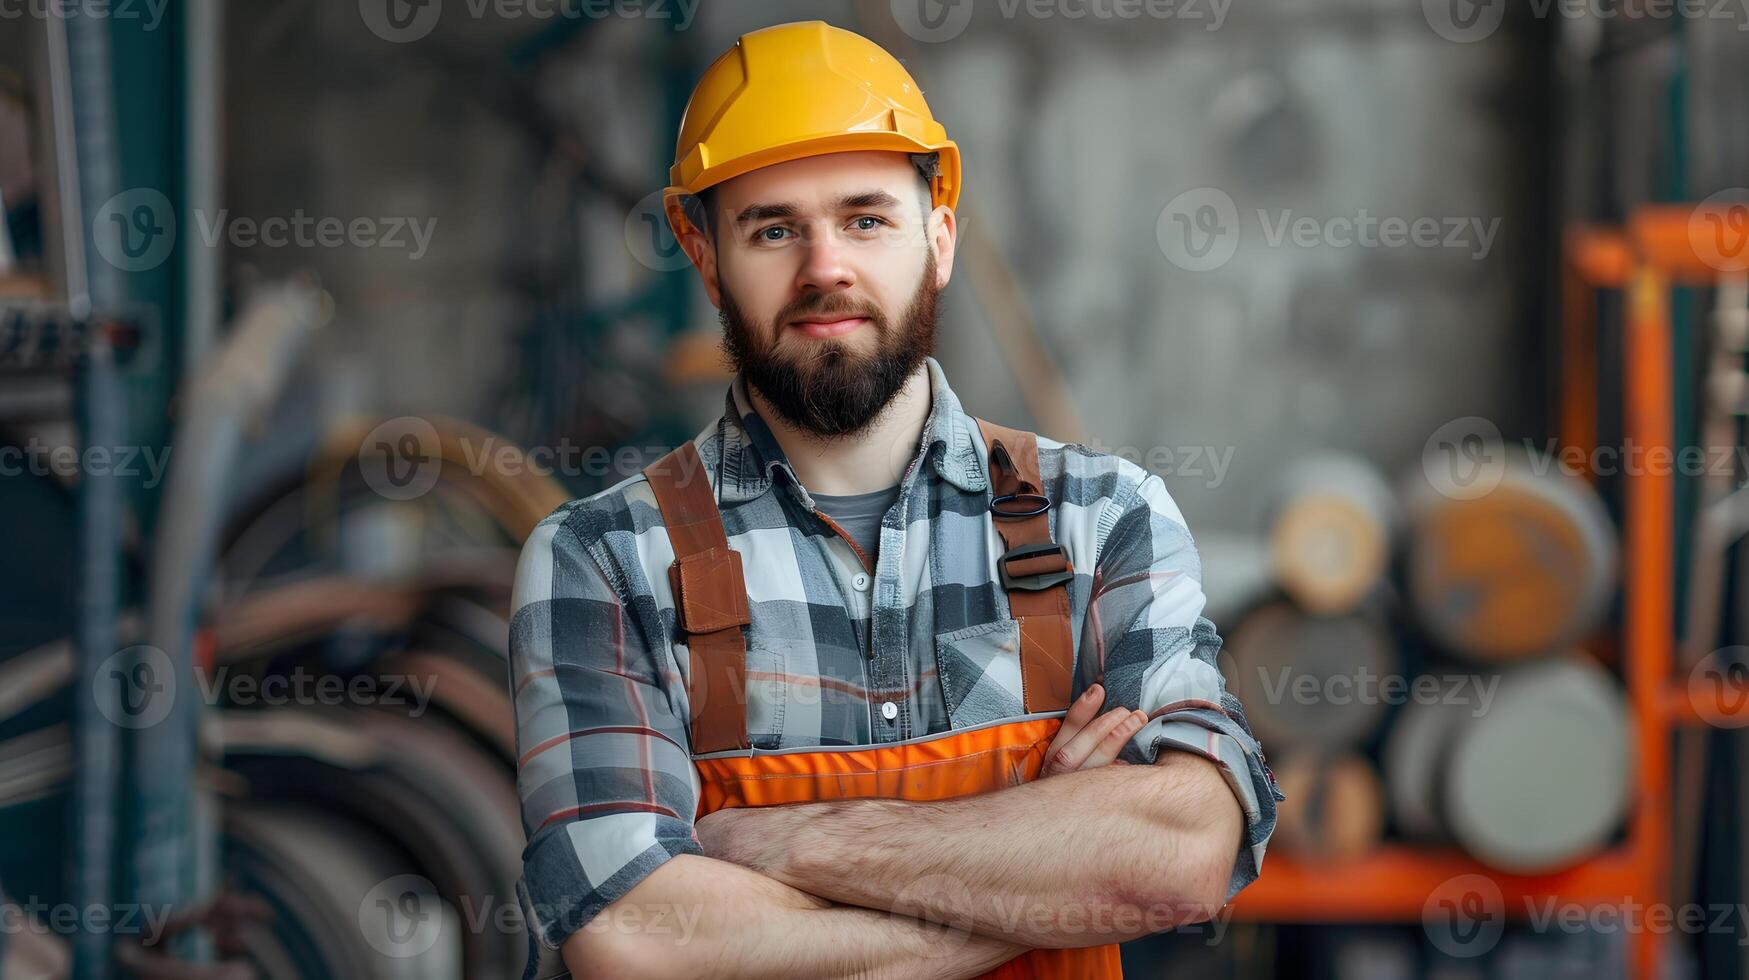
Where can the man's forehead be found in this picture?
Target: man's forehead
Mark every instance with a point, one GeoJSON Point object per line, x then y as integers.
{"type": "Point", "coordinates": [828, 182]}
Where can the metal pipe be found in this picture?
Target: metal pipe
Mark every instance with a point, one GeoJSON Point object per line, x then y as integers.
{"type": "Point", "coordinates": [84, 131]}
{"type": "Point", "coordinates": [96, 737]}
{"type": "Point", "coordinates": [241, 383]}
{"type": "Point", "coordinates": [203, 35]}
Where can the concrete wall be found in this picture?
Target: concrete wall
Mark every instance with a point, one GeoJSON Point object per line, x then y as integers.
{"type": "Point", "coordinates": [1076, 133]}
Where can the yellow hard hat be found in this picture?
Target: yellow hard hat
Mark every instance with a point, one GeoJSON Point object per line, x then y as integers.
{"type": "Point", "coordinates": [800, 90]}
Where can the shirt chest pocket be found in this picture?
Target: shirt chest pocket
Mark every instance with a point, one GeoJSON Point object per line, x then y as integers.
{"type": "Point", "coordinates": [766, 693]}
{"type": "Point", "coordinates": [979, 667]}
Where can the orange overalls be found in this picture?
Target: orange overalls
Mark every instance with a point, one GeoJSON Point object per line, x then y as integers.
{"type": "Point", "coordinates": [711, 605]}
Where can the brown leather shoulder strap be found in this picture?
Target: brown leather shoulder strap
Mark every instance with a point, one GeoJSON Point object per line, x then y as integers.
{"type": "Point", "coordinates": [1034, 570]}
{"type": "Point", "coordinates": [710, 599]}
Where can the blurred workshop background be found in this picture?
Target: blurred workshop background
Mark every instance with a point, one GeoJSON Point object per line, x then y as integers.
{"type": "Point", "coordinates": [1431, 313]}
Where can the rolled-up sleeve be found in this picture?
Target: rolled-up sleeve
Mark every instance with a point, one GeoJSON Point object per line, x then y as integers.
{"type": "Point", "coordinates": [604, 773]}
{"type": "Point", "coordinates": [1159, 656]}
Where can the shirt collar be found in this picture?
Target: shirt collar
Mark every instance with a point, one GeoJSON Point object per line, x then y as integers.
{"type": "Point", "coordinates": [750, 457]}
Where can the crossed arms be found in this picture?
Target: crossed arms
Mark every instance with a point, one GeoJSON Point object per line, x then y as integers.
{"type": "Point", "coordinates": [885, 888]}
{"type": "Point", "coordinates": [1093, 854]}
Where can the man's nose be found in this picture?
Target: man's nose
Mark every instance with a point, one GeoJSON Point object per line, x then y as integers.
{"type": "Point", "coordinates": [825, 265]}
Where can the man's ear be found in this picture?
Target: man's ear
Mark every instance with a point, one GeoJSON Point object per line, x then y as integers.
{"type": "Point", "coordinates": [703, 253]}
{"type": "Point", "coordinates": [943, 231]}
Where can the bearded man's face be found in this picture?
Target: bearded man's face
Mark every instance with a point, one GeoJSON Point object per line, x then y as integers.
{"type": "Point", "coordinates": [828, 284]}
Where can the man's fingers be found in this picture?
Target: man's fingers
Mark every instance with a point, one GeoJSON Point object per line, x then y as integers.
{"type": "Point", "coordinates": [1105, 753]}
{"type": "Point", "coordinates": [1083, 710]}
{"type": "Point", "coordinates": [1079, 714]}
{"type": "Point", "coordinates": [1070, 756]}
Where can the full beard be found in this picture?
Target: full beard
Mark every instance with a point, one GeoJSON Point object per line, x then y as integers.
{"type": "Point", "coordinates": [829, 389]}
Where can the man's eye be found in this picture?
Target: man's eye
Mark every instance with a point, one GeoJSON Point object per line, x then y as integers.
{"type": "Point", "coordinates": [773, 234]}
{"type": "Point", "coordinates": [873, 222]}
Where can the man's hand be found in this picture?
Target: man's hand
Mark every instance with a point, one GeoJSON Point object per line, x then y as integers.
{"type": "Point", "coordinates": [1086, 742]}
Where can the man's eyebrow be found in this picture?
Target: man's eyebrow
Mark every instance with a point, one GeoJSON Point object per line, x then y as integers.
{"type": "Point", "coordinates": [867, 199]}
{"type": "Point", "coordinates": [848, 202]}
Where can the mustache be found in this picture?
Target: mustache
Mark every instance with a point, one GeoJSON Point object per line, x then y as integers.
{"type": "Point", "coordinates": [829, 306]}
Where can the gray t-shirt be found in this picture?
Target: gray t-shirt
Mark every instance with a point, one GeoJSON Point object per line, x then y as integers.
{"type": "Point", "coordinates": [859, 514]}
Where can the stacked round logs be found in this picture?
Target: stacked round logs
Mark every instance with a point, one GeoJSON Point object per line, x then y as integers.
{"type": "Point", "coordinates": [1438, 633]}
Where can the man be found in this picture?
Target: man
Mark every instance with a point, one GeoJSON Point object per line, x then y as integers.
{"type": "Point", "coordinates": [784, 699]}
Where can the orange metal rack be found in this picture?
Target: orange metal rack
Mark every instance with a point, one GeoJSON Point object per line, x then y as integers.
{"type": "Point", "coordinates": [1394, 884]}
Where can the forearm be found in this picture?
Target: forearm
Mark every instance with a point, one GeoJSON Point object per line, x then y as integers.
{"type": "Point", "coordinates": [1034, 864]}
{"type": "Point", "coordinates": [724, 921]}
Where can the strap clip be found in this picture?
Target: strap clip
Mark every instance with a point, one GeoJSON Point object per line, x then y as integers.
{"type": "Point", "coordinates": [1043, 564]}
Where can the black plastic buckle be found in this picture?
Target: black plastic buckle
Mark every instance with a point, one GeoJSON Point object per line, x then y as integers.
{"type": "Point", "coordinates": [1039, 580]}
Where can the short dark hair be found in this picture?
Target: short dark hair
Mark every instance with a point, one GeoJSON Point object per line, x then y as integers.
{"type": "Point", "coordinates": [701, 207]}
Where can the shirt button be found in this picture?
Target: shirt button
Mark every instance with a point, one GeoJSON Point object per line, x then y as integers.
{"type": "Point", "coordinates": [860, 581]}
{"type": "Point", "coordinates": [889, 710]}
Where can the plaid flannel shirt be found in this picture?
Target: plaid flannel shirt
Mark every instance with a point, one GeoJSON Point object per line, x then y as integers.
{"type": "Point", "coordinates": [836, 656]}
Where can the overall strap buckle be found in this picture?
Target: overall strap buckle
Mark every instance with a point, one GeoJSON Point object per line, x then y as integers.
{"type": "Point", "coordinates": [1034, 566]}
